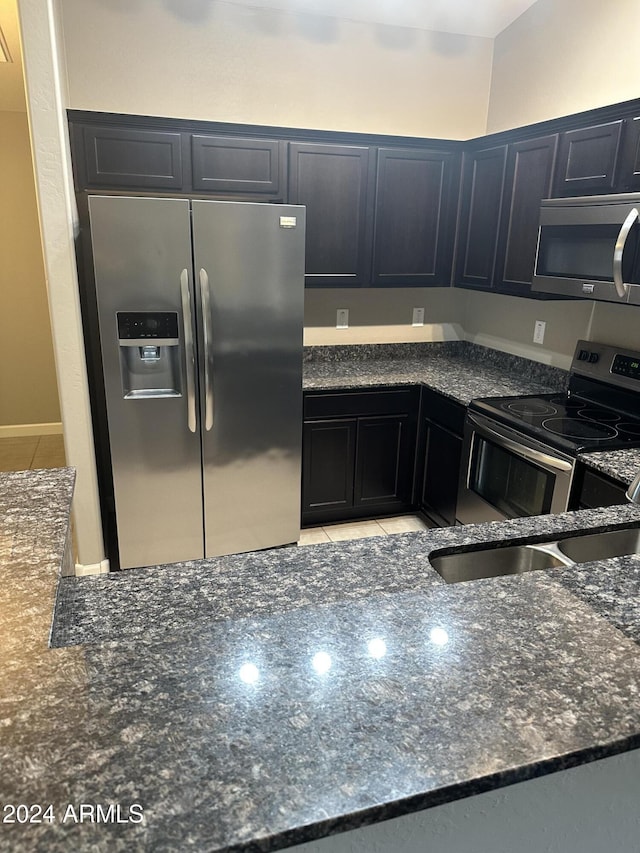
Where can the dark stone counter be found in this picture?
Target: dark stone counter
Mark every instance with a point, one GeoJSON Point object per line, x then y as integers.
{"type": "Point", "coordinates": [256, 701]}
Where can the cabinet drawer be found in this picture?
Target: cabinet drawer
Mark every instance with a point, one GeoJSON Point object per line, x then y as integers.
{"type": "Point", "coordinates": [443, 411]}
{"type": "Point", "coordinates": [360, 403]}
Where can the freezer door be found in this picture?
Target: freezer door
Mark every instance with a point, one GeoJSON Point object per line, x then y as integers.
{"type": "Point", "coordinates": [249, 271]}
{"type": "Point", "coordinates": [143, 274]}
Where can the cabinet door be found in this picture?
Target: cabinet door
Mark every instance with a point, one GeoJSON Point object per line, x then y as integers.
{"type": "Point", "coordinates": [480, 206]}
{"type": "Point", "coordinates": [384, 462]}
{"type": "Point", "coordinates": [527, 180]}
{"type": "Point", "coordinates": [247, 167]}
{"type": "Point", "coordinates": [334, 182]}
{"type": "Point", "coordinates": [127, 158]}
{"type": "Point", "coordinates": [593, 490]}
{"type": "Point", "coordinates": [587, 160]}
{"type": "Point", "coordinates": [327, 465]}
{"type": "Point", "coordinates": [628, 179]}
{"type": "Point", "coordinates": [443, 451]}
{"type": "Point", "coordinates": [413, 230]}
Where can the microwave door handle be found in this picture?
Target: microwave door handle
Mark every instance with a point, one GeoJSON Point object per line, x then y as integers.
{"type": "Point", "coordinates": [189, 352]}
{"type": "Point", "coordinates": [621, 288]}
{"type": "Point", "coordinates": [520, 450]}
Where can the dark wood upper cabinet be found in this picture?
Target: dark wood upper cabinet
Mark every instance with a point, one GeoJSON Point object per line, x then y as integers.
{"type": "Point", "coordinates": [479, 216]}
{"type": "Point", "coordinates": [628, 179]}
{"type": "Point", "coordinates": [414, 217]}
{"type": "Point", "coordinates": [127, 158]}
{"type": "Point", "coordinates": [229, 166]}
{"type": "Point", "coordinates": [587, 160]}
{"type": "Point", "coordinates": [334, 182]}
{"type": "Point", "coordinates": [528, 179]}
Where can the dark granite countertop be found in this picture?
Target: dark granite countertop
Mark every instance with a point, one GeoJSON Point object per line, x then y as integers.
{"type": "Point", "coordinates": [458, 369]}
{"type": "Point", "coordinates": [256, 701]}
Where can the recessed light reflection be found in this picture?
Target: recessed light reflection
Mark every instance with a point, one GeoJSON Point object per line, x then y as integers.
{"type": "Point", "coordinates": [438, 636]}
{"type": "Point", "coordinates": [321, 662]}
{"type": "Point", "coordinates": [377, 647]}
{"type": "Point", "coordinates": [249, 673]}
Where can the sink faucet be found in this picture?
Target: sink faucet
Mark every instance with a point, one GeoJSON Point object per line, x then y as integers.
{"type": "Point", "coordinates": [633, 492]}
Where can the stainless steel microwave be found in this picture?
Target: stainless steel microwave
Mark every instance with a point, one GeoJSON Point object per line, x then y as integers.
{"type": "Point", "coordinates": [590, 247]}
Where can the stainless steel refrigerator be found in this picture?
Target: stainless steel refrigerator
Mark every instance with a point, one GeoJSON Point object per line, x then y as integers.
{"type": "Point", "coordinates": [200, 310]}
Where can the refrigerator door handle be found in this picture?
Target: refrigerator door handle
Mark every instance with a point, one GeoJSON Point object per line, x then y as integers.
{"type": "Point", "coordinates": [206, 330]}
{"type": "Point", "coordinates": [189, 351]}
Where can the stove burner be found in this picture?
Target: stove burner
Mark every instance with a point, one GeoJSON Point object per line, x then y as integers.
{"type": "Point", "coordinates": [603, 416]}
{"type": "Point", "coordinates": [530, 407]}
{"type": "Point", "coordinates": [629, 429]}
{"type": "Point", "coordinates": [575, 428]}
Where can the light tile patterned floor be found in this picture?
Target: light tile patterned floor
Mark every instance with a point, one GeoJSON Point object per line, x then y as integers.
{"type": "Point", "coordinates": [361, 529]}
{"type": "Point", "coordinates": [33, 451]}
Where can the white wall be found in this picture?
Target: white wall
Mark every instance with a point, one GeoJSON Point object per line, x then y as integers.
{"type": "Point", "coordinates": [222, 62]}
{"type": "Point", "coordinates": [564, 56]}
{"type": "Point", "coordinates": [44, 73]}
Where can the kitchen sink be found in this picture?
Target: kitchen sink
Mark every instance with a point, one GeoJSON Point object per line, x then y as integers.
{"type": "Point", "coordinates": [601, 546]}
{"type": "Point", "coordinates": [494, 562]}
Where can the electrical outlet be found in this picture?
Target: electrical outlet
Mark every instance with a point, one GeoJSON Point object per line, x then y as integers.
{"type": "Point", "coordinates": [538, 332]}
{"type": "Point", "coordinates": [418, 317]}
{"type": "Point", "coordinates": [342, 318]}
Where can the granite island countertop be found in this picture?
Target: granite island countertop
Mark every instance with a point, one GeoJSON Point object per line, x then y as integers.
{"type": "Point", "coordinates": [256, 701]}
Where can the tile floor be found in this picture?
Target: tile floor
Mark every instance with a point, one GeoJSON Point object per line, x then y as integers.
{"type": "Point", "coordinates": [32, 451]}
{"type": "Point", "coordinates": [361, 529]}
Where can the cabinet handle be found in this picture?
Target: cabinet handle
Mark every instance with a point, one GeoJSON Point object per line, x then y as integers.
{"type": "Point", "coordinates": [189, 352]}
{"type": "Point", "coordinates": [621, 288]}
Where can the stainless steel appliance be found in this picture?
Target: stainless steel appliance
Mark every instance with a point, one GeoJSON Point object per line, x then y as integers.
{"type": "Point", "coordinates": [590, 247]}
{"type": "Point", "coordinates": [200, 309]}
{"type": "Point", "coordinates": [519, 453]}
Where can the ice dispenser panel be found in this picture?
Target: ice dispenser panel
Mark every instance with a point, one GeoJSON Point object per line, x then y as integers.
{"type": "Point", "coordinates": [149, 354]}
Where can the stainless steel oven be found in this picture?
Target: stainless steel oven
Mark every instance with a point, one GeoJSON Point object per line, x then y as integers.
{"type": "Point", "coordinates": [519, 453]}
{"type": "Point", "coordinates": [505, 474]}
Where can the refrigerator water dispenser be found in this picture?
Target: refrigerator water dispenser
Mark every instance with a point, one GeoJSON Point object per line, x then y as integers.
{"type": "Point", "coordinates": [149, 354]}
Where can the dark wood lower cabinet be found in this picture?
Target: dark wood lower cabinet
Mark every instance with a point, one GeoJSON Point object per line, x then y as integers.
{"type": "Point", "coordinates": [440, 449]}
{"type": "Point", "coordinates": [384, 461]}
{"type": "Point", "coordinates": [328, 466]}
{"type": "Point", "coordinates": [362, 465]}
{"type": "Point", "coordinates": [591, 489]}
{"type": "Point", "coordinates": [443, 451]}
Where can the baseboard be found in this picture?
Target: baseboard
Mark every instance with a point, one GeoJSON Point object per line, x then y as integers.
{"type": "Point", "coordinates": [15, 430]}
{"type": "Point", "coordinates": [101, 568]}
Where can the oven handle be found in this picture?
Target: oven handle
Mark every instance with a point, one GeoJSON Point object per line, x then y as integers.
{"type": "Point", "coordinates": [519, 449]}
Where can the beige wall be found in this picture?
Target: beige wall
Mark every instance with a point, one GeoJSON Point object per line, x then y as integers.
{"type": "Point", "coordinates": [382, 315]}
{"type": "Point", "coordinates": [28, 390]}
{"type": "Point", "coordinates": [564, 56]}
{"type": "Point", "coordinates": [217, 61]}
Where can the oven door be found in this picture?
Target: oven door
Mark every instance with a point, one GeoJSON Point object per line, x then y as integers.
{"type": "Point", "coordinates": [507, 475]}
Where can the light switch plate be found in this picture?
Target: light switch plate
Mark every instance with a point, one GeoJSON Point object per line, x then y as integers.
{"type": "Point", "coordinates": [418, 317]}
{"type": "Point", "coordinates": [342, 318]}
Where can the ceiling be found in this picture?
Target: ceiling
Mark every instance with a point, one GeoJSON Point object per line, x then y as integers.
{"type": "Point", "coordinates": [468, 17]}
{"type": "Point", "coordinates": [11, 82]}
